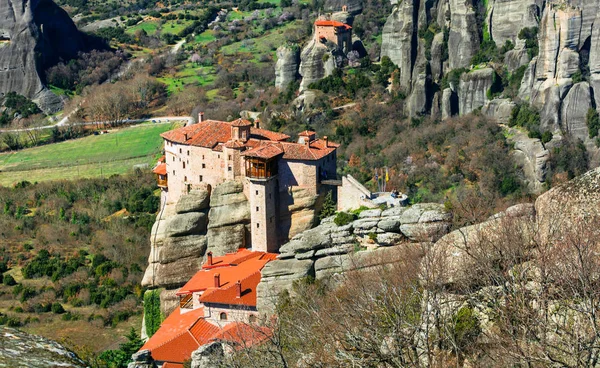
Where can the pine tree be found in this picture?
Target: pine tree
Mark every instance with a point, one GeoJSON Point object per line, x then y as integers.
{"type": "Point", "coordinates": [328, 207]}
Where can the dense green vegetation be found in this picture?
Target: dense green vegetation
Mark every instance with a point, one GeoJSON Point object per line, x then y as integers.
{"type": "Point", "coordinates": [20, 105]}
{"type": "Point", "coordinates": [76, 250]}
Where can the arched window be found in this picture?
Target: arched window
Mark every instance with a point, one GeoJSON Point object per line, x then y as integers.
{"type": "Point", "coordinates": [223, 316]}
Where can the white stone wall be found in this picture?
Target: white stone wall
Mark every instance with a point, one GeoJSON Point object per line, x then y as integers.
{"type": "Point", "coordinates": [352, 195]}
{"type": "Point", "coordinates": [212, 314]}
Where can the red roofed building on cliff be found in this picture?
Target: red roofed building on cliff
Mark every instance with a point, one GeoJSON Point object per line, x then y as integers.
{"type": "Point", "coordinates": [334, 31]}
{"type": "Point", "coordinates": [217, 304]}
{"type": "Point", "coordinates": [211, 152]}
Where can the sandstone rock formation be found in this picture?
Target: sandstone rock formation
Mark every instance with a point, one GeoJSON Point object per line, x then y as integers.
{"type": "Point", "coordinates": [328, 249]}
{"type": "Point", "coordinates": [34, 34]}
{"type": "Point", "coordinates": [352, 6]}
{"type": "Point", "coordinates": [286, 68]}
{"type": "Point", "coordinates": [227, 219]}
{"type": "Point", "coordinates": [20, 349]}
{"type": "Point", "coordinates": [531, 156]}
{"type": "Point", "coordinates": [463, 40]}
{"type": "Point", "coordinates": [399, 40]}
{"type": "Point", "coordinates": [473, 90]}
{"type": "Point", "coordinates": [318, 60]}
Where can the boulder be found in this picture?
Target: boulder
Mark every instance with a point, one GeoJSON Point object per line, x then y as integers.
{"type": "Point", "coordinates": [180, 247]}
{"type": "Point", "coordinates": [514, 59]}
{"type": "Point", "coordinates": [286, 67]}
{"type": "Point", "coordinates": [278, 276]}
{"type": "Point", "coordinates": [568, 206]}
{"type": "Point", "coordinates": [498, 109]}
{"type": "Point", "coordinates": [208, 356]}
{"type": "Point", "coordinates": [172, 274]}
{"type": "Point", "coordinates": [423, 232]}
{"type": "Point", "coordinates": [194, 201]}
{"type": "Point", "coordinates": [227, 239]}
{"type": "Point", "coordinates": [142, 359]}
{"type": "Point", "coordinates": [186, 224]}
{"type": "Point", "coordinates": [472, 93]}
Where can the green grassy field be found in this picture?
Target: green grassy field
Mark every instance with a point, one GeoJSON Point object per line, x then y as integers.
{"type": "Point", "coordinates": [94, 156]}
{"type": "Point", "coordinates": [189, 74]}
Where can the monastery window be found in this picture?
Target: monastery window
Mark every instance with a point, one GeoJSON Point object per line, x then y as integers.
{"type": "Point", "coordinates": [257, 209]}
{"type": "Point", "coordinates": [218, 156]}
{"type": "Point", "coordinates": [185, 178]}
{"type": "Point", "coordinates": [173, 172]}
{"type": "Point", "coordinates": [204, 166]}
{"type": "Point", "coordinates": [257, 225]}
{"type": "Point", "coordinates": [173, 158]}
{"type": "Point", "coordinates": [203, 157]}
{"type": "Point", "coordinates": [257, 192]}
{"type": "Point", "coordinates": [200, 177]}
{"type": "Point", "coordinates": [229, 157]}
{"type": "Point", "coordinates": [184, 164]}
{"type": "Point", "coordinates": [223, 316]}
{"type": "Point", "coordinates": [229, 168]}
{"type": "Point", "coordinates": [188, 152]}
{"type": "Point", "coordinates": [180, 150]}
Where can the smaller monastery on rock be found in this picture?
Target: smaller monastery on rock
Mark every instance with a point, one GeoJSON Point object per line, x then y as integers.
{"type": "Point", "coordinates": [217, 304]}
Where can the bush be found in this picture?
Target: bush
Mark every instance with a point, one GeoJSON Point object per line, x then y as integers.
{"type": "Point", "coordinates": [531, 41]}
{"type": "Point", "coordinates": [465, 328]}
{"type": "Point", "coordinates": [547, 136]}
{"type": "Point", "coordinates": [152, 314]}
{"type": "Point", "coordinates": [328, 207]}
{"type": "Point", "coordinates": [344, 218]}
{"type": "Point", "coordinates": [57, 308]}
{"type": "Point", "coordinates": [593, 122]}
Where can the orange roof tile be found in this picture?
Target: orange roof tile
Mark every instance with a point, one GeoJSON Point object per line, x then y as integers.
{"type": "Point", "coordinates": [233, 258]}
{"type": "Point", "coordinates": [206, 134]}
{"type": "Point", "coordinates": [234, 144]}
{"type": "Point", "coordinates": [247, 272]}
{"type": "Point", "coordinates": [331, 23]}
{"type": "Point", "coordinates": [265, 151]}
{"type": "Point", "coordinates": [160, 169]}
{"type": "Point", "coordinates": [243, 334]}
{"type": "Point", "coordinates": [179, 335]}
{"type": "Point", "coordinates": [228, 293]}
{"type": "Point", "coordinates": [172, 365]}
{"type": "Point", "coordinates": [264, 134]}
{"type": "Point", "coordinates": [241, 123]}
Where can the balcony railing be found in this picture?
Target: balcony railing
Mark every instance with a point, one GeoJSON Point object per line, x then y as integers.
{"type": "Point", "coordinates": [186, 301]}
{"type": "Point", "coordinates": [260, 169]}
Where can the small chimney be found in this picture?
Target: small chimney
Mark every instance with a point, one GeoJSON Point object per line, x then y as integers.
{"type": "Point", "coordinates": [200, 117]}
{"type": "Point", "coordinates": [238, 289]}
{"type": "Point", "coordinates": [185, 136]}
{"type": "Point", "coordinates": [217, 280]}
{"type": "Point", "coordinates": [257, 123]}
{"type": "Point", "coordinates": [326, 141]}
{"type": "Point", "coordinates": [209, 258]}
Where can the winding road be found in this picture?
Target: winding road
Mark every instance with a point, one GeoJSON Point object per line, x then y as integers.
{"type": "Point", "coordinates": [65, 122]}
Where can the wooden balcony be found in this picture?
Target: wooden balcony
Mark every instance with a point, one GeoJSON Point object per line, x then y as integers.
{"type": "Point", "coordinates": [162, 181]}
{"type": "Point", "coordinates": [186, 301]}
{"type": "Point", "coordinates": [260, 169]}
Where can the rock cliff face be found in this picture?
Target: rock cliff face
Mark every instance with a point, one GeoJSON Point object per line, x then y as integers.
{"type": "Point", "coordinates": [318, 60]}
{"type": "Point", "coordinates": [286, 68]}
{"type": "Point", "coordinates": [328, 249]}
{"type": "Point", "coordinates": [33, 35]}
{"type": "Point", "coordinates": [20, 349]}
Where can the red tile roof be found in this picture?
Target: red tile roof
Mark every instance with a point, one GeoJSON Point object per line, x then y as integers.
{"type": "Point", "coordinates": [247, 272]}
{"type": "Point", "coordinates": [179, 335]}
{"type": "Point", "coordinates": [214, 134]}
{"type": "Point", "coordinates": [243, 334]}
{"type": "Point", "coordinates": [172, 365]}
{"type": "Point", "coordinates": [241, 123]}
{"type": "Point", "coordinates": [331, 23]}
{"type": "Point", "coordinates": [266, 151]}
{"type": "Point", "coordinates": [160, 169]}
{"type": "Point", "coordinates": [234, 258]}
{"type": "Point", "coordinates": [268, 135]}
